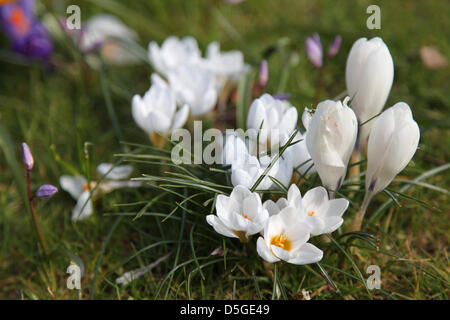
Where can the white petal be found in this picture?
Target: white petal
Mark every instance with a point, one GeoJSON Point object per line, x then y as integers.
{"type": "Point", "coordinates": [306, 254]}
{"type": "Point", "coordinates": [264, 251]}
{"type": "Point", "coordinates": [116, 173]}
{"type": "Point", "coordinates": [73, 185]}
{"type": "Point", "coordinates": [83, 208]}
{"type": "Point", "coordinates": [219, 227]}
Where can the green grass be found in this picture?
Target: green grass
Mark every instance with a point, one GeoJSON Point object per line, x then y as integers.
{"type": "Point", "coordinates": [57, 112]}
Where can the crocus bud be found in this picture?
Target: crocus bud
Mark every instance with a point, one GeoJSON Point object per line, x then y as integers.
{"type": "Point", "coordinates": [369, 74]}
{"type": "Point", "coordinates": [314, 50]}
{"type": "Point", "coordinates": [392, 143]}
{"type": "Point", "coordinates": [330, 139]}
{"type": "Point", "coordinates": [27, 157]}
{"type": "Point", "coordinates": [263, 74]}
{"type": "Point", "coordinates": [46, 191]}
{"type": "Point", "coordinates": [334, 47]}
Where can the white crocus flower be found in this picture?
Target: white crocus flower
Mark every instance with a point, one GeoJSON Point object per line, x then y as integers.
{"type": "Point", "coordinates": [247, 168]}
{"type": "Point", "coordinates": [173, 54]}
{"type": "Point", "coordinates": [156, 110]}
{"type": "Point", "coordinates": [314, 208]}
{"type": "Point", "coordinates": [227, 66]}
{"type": "Point", "coordinates": [369, 75]}
{"type": "Point", "coordinates": [277, 117]}
{"type": "Point", "coordinates": [330, 139]}
{"type": "Point", "coordinates": [195, 87]}
{"type": "Point", "coordinates": [392, 143]}
{"type": "Point", "coordinates": [285, 238]}
{"type": "Point", "coordinates": [78, 187]}
{"type": "Point", "coordinates": [240, 215]}
{"type": "Point", "coordinates": [105, 32]}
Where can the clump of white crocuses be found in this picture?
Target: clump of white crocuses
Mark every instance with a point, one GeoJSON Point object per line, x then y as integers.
{"type": "Point", "coordinates": [286, 225]}
{"type": "Point", "coordinates": [392, 143]}
{"type": "Point", "coordinates": [78, 187]}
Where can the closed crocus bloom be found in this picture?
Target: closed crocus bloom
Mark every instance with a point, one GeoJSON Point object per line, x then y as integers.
{"type": "Point", "coordinates": [285, 238]}
{"type": "Point", "coordinates": [314, 50]}
{"type": "Point", "coordinates": [277, 117]}
{"type": "Point", "coordinates": [195, 87]}
{"type": "Point", "coordinates": [156, 110]}
{"type": "Point", "coordinates": [27, 156]}
{"type": "Point", "coordinates": [330, 139]}
{"type": "Point", "coordinates": [240, 215]}
{"type": "Point", "coordinates": [173, 53]}
{"type": "Point", "coordinates": [316, 210]}
{"type": "Point", "coordinates": [392, 143]}
{"type": "Point", "coordinates": [46, 191]}
{"type": "Point", "coordinates": [369, 74]}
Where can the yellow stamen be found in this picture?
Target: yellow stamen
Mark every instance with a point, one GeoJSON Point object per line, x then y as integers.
{"type": "Point", "coordinates": [85, 187]}
{"type": "Point", "coordinates": [281, 241]}
{"type": "Point", "coordinates": [311, 213]}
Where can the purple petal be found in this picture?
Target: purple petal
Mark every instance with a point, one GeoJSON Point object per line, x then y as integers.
{"type": "Point", "coordinates": [314, 52]}
{"type": "Point", "coordinates": [263, 73]}
{"type": "Point", "coordinates": [27, 157]}
{"type": "Point", "coordinates": [334, 47]}
{"type": "Point", "coordinates": [46, 191]}
{"type": "Point", "coordinates": [282, 96]}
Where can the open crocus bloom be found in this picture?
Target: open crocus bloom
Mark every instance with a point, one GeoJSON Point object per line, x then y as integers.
{"type": "Point", "coordinates": [227, 66]}
{"type": "Point", "coordinates": [240, 215]}
{"type": "Point", "coordinates": [277, 117]}
{"type": "Point", "coordinates": [330, 139]}
{"type": "Point", "coordinates": [195, 87]}
{"type": "Point", "coordinates": [369, 75]}
{"type": "Point", "coordinates": [78, 188]}
{"type": "Point", "coordinates": [156, 110]}
{"type": "Point", "coordinates": [315, 209]}
{"type": "Point", "coordinates": [285, 238]}
{"type": "Point", "coordinates": [247, 168]}
{"type": "Point", "coordinates": [173, 54]}
{"type": "Point", "coordinates": [392, 144]}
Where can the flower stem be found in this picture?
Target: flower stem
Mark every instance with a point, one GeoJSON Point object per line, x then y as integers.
{"type": "Point", "coordinates": [356, 225]}
{"type": "Point", "coordinates": [34, 217]}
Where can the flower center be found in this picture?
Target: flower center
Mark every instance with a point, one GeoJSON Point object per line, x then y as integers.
{"type": "Point", "coordinates": [19, 21]}
{"type": "Point", "coordinates": [281, 241]}
{"type": "Point", "coordinates": [85, 187]}
{"type": "Point", "coordinates": [311, 213]}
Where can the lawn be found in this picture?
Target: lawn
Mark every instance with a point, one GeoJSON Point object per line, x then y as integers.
{"type": "Point", "coordinates": [74, 117]}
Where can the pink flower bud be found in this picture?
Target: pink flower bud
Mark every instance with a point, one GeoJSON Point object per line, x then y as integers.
{"type": "Point", "coordinates": [314, 50]}
{"type": "Point", "coordinates": [27, 157]}
{"type": "Point", "coordinates": [263, 73]}
{"type": "Point", "coordinates": [334, 47]}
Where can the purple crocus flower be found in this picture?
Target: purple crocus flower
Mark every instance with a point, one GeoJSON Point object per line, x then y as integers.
{"type": "Point", "coordinates": [46, 191]}
{"type": "Point", "coordinates": [28, 36]}
{"type": "Point", "coordinates": [334, 47]}
{"type": "Point", "coordinates": [314, 50]}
